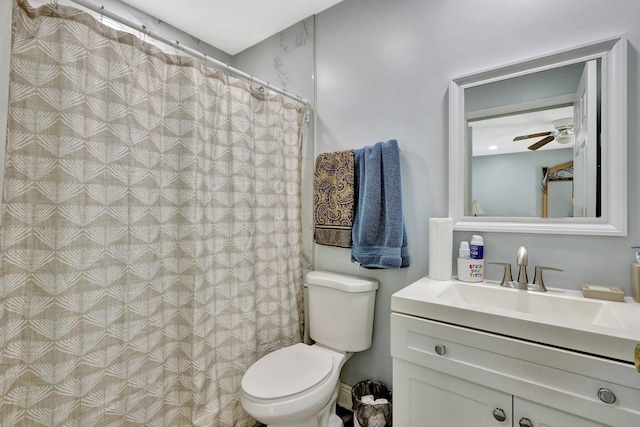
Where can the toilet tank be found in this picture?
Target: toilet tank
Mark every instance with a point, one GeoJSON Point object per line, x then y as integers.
{"type": "Point", "coordinates": [341, 310]}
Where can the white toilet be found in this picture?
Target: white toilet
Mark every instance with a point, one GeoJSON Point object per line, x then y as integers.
{"type": "Point", "coordinates": [297, 386]}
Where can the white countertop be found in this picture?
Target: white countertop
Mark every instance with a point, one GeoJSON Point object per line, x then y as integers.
{"type": "Point", "coordinates": [559, 317]}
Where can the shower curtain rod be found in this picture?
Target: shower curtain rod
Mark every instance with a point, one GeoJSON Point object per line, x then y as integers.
{"type": "Point", "coordinates": [202, 56]}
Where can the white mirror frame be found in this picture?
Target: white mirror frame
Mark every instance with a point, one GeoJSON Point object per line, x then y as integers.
{"type": "Point", "coordinates": [613, 221]}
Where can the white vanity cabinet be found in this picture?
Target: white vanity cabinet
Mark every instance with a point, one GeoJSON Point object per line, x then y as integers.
{"type": "Point", "coordinates": [451, 376]}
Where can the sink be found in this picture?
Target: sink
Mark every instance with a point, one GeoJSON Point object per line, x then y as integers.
{"type": "Point", "coordinates": [559, 317]}
{"type": "Point", "coordinates": [551, 305]}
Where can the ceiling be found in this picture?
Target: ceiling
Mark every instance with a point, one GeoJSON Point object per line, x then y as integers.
{"type": "Point", "coordinates": [232, 25]}
{"type": "Point", "coordinates": [498, 132]}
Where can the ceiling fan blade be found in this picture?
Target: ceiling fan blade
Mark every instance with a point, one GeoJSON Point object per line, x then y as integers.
{"type": "Point", "coordinates": [541, 143]}
{"type": "Point", "coordinates": [533, 135]}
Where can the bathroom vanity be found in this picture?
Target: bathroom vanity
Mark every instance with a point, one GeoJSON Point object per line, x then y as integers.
{"type": "Point", "coordinates": [482, 355]}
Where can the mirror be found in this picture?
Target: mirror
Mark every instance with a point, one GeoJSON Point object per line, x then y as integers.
{"type": "Point", "coordinates": [506, 124]}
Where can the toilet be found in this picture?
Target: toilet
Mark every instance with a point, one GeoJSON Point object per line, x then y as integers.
{"type": "Point", "coordinates": [297, 386]}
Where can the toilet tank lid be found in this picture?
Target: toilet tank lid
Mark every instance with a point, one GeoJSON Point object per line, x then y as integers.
{"type": "Point", "coordinates": [341, 282]}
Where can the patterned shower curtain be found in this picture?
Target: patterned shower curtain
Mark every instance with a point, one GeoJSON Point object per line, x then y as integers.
{"type": "Point", "coordinates": [150, 235]}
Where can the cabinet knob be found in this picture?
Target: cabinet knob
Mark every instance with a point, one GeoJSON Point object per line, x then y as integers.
{"type": "Point", "coordinates": [499, 414]}
{"type": "Point", "coordinates": [525, 422]}
{"type": "Point", "coordinates": [606, 395]}
{"type": "Point", "coordinates": [441, 350]}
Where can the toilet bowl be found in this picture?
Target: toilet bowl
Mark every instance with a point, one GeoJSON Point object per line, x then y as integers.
{"type": "Point", "coordinates": [293, 386]}
{"type": "Point", "coordinates": [297, 386]}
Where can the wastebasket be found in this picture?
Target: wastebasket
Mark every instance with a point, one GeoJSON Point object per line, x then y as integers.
{"type": "Point", "coordinates": [372, 405]}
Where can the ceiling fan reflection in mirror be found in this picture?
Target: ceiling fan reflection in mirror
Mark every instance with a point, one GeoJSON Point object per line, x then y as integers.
{"type": "Point", "coordinates": [562, 134]}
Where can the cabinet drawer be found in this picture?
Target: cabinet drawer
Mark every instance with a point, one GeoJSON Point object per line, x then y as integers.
{"type": "Point", "coordinates": [550, 376]}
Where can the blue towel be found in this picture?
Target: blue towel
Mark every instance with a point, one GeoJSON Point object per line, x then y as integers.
{"type": "Point", "coordinates": [378, 233]}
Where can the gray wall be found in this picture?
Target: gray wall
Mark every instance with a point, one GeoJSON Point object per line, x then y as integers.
{"type": "Point", "coordinates": [540, 85]}
{"type": "Point", "coordinates": [285, 60]}
{"type": "Point", "coordinates": [509, 184]}
{"type": "Point", "coordinates": [383, 69]}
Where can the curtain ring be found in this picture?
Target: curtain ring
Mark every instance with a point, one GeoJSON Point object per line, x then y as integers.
{"type": "Point", "coordinates": [144, 34]}
{"type": "Point", "coordinates": [101, 14]}
{"type": "Point", "coordinates": [205, 59]}
{"type": "Point", "coordinates": [268, 88]}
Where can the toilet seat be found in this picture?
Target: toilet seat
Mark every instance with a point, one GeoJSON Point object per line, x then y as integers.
{"type": "Point", "coordinates": [287, 372]}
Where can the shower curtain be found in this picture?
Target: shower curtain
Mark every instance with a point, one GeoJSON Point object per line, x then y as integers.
{"type": "Point", "coordinates": [150, 235]}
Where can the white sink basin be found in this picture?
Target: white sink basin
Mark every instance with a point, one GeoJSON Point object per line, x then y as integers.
{"type": "Point", "coordinates": [552, 305]}
{"type": "Point", "coordinates": [558, 317]}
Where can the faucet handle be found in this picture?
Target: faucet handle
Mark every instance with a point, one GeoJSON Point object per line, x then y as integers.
{"type": "Point", "coordinates": [522, 255]}
{"type": "Point", "coordinates": [537, 279]}
{"type": "Point", "coordinates": [522, 259]}
{"type": "Point", "coordinates": [506, 277]}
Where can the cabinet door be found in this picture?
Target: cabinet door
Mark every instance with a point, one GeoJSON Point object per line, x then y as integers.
{"type": "Point", "coordinates": [424, 397]}
{"type": "Point", "coordinates": [544, 416]}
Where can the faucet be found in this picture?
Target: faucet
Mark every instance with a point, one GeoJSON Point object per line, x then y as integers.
{"type": "Point", "coordinates": [522, 258]}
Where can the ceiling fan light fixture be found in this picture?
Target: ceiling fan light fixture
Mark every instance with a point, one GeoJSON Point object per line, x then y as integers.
{"type": "Point", "coordinates": [565, 136]}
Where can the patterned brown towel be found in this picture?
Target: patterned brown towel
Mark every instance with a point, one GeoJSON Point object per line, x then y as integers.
{"type": "Point", "coordinates": [333, 198]}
